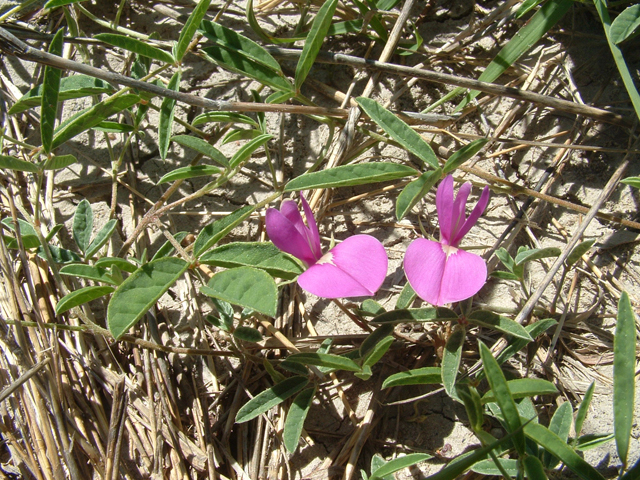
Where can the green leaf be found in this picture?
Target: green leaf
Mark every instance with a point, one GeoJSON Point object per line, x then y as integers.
{"type": "Point", "coordinates": [257, 29]}
{"type": "Point", "coordinates": [201, 146]}
{"type": "Point", "coordinates": [315, 38]}
{"type": "Point", "coordinates": [121, 263]}
{"type": "Point", "coordinates": [240, 134]}
{"type": "Point", "coordinates": [524, 387]}
{"type": "Point", "coordinates": [13, 163]}
{"type": "Point", "coordinates": [504, 275]}
{"type": "Point", "coordinates": [406, 297]}
{"type": "Point", "coordinates": [415, 191]}
{"type": "Point", "coordinates": [242, 46]}
{"type": "Point", "coordinates": [632, 181]}
{"type": "Point", "coordinates": [247, 334]}
{"type": "Point", "coordinates": [83, 225]}
{"type": "Point", "coordinates": [541, 22]}
{"type": "Point", "coordinates": [225, 310]}
{"type": "Point", "coordinates": [92, 116]}
{"type": "Point", "coordinates": [472, 404]}
{"type": "Point", "coordinates": [58, 162]}
{"type": "Point", "coordinates": [214, 232]}
{"type": "Point", "coordinates": [135, 296]}
{"type": "Point", "coordinates": [349, 175]}
{"type": "Point", "coordinates": [584, 408]}
{"type": "Point", "coordinates": [136, 46]}
{"type": "Point", "coordinates": [262, 255]}
{"type": "Point", "coordinates": [534, 468]}
{"type": "Point", "coordinates": [371, 308]}
{"type": "Point", "coordinates": [59, 3]}
{"type": "Point", "coordinates": [102, 237]}
{"type": "Point", "coordinates": [536, 254]}
{"type": "Point", "coordinates": [506, 259]}
{"type": "Point", "coordinates": [589, 441]}
{"type": "Point", "coordinates": [189, 29]}
{"type": "Point", "coordinates": [500, 323]}
{"type": "Point", "coordinates": [78, 297]}
{"type": "Point", "coordinates": [374, 338]}
{"type": "Point", "coordinates": [245, 286]}
{"type": "Point", "coordinates": [489, 467]}
{"type": "Point", "coordinates": [419, 376]}
{"type": "Point", "coordinates": [526, 6]}
{"type": "Point", "coordinates": [428, 314]}
{"type": "Point", "coordinates": [227, 117]}
{"type": "Point", "coordinates": [265, 401]}
{"type": "Point", "coordinates": [59, 255]}
{"type": "Point", "coordinates": [402, 133]}
{"type": "Point", "coordinates": [91, 272]}
{"type": "Point", "coordinates": [243, 154]}
{"type": "Point", "coordinates": [556, 446]}
{"type": "Point", "coordinates": [167, 110]}
{"type": "Point", "coordinates": [167, 248]}
{"type": "Point", "coordinates": [625, 25]}
{"type": "Point", "coordinates": [633, 472]}
{"type": "Point", "coordinates": [113, 127]}
{"type": "Point", "coordinates": [296, 417]}
{"type": "Point", "coordinates": [326, 360]}
{"type": "Point", "coordinates": [75, 86]}
{"type": "Point", "coordinates": [50, 89]}
{"type": "Point", "coordinates": [378, 351]}
{"type": "Point", "coordinates": [192, 171]}
{"type": "Point", "coordinates": [560, 424]}
{"type": "Point", "coordinates": [451, 359]}
{"type": "Point", "coordinates": [624, 360]}
{"type": "Point", "coordinates": [399, 463]}
{"type": "Point", "coordinates": [464, 154]}
{"type": "Point", "coordinates": [504, 399]}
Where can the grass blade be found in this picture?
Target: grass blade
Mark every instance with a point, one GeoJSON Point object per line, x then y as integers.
{"type": "Point", "coordinates": [50, 89]}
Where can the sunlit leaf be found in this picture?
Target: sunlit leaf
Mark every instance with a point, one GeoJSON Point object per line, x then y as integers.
{"type": "Point", "coordinates": [415, 191]}
{"type": "Point", "coordinates": [13, 163]}
{"type": "Point", "coordinates": [81, 296]}
{"type": "Point", "coordinates": [136, 46]}
{"type": "Point", "coordinates": [296, 417]}
{"type": "Point", "coordinates": [326, 360]}
{"type": "Point", "coordinates": [83, 225]}
{"type": "Point", "coordinates": [192, 171]}
{"type": "Point", "coordinates": [399, 463]}
{"type": "Point", "coordinates": [226, 117]}
{"type": "Point", "coordinates": [101, 238]}
{"type": "Point", "coordinates": [203, 147]}
{"type": "Point", "coordinates": [419, 376]}
{"type": "Point", "coordinates": [243, 154]}
{"type": "Point", "coordinates": [525, 387]}
{"type": "Point", "coordinates": [214, 232]}
{"type": "Point", "coordinates": [90, 272]}
{"type": "Point", "coordinates": [625, 25]}
{"type": "Point", "coordinates": [451, 357]}
{"type": "Point", "coordinates": [464, 154]}
{"type": "Point", "coordinates": [57, 162]}
{"type": "Point", "coordinates": [167, 110]}
{"type": "Point", "coordinates": [265, 401]}
{"type": "Point", "coordinates": [50, 89]}
{"type": "Point", "coordinates": [498, 322]}
{"type": "Point", "coordinates": [189, 29]}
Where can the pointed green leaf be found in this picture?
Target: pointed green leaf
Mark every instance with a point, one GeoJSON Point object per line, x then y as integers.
{"type": "Point", "coordinates": [189, 29]}
{"type": "Point", "coordinates": [167, 248]}
{"type": "Point", "coordinates": [245, 286]}
{"type": "Point", "coordinates": [113, 127]}
{"type": "Point", "coordinates": [560, 424]}
{"type": "Point", "coordinates": [88, 271]}
{"type": "Point", "coordinates": [554, 444]}
{"type": "Point", "coordinates": [419, 376]}
{"type": "Point", "coordinates": [524, 387]}
{"type": "Point", "coordinates": [326, 360]}
{"type": "Point", "coordinates": [226, 117]}
{"type": "Point", "coordinates": [624, 361]}
{"type": "Point", "coordinates": [534, 468]}
{"type": "Point", "coordinates": [349, 175]}
{"type": "Point", "coordinates": [58, 162]}
{"type": "Point", "coordinates": [136, 46]}
{"type": "Point", "coordinates": [59, 3]}
{"type": "Point", "coordinates": [214, 232]}
{"type": "Point", "coordinates": [167, 110]}
{"type": "Point", "coordinates": [536, 254]}
{"type": "Point", "coordinates": [489, 467]}
{"type": "Point", "coordinates": [632, 181]}
{"type": "Point", "coordinates": [248, 334]}
{"type": "Point", "coordinates": [399, 463]}
{"type": "Point", "coordinates": [504, 275]}
{"type": "Point", "coordinates": [83, 225]}
{"type": "Point", "coordinates": [138, 293]}
{"type": "Point", "coordinates": [503, 396]}
{"type": "Point", "coordinates": [265, 401]}
{"type": "Point", "coordinates": [377, 352]}
{"type": "Point", "coordinates": [374, 338]}
{"type": "Point", "coordinates": [238, 135]}
{"type": "Point", "coordinates": [626, 24]}
{"type": "Point", "coordinates": [201, 146]}
{"type": "Point", "coordinates": [81, 296]}
{"type": "Point", "coordinates": [371, 308]}
{"type": "Point", "coordinates": [13, 163]}
{"type": "Point", "coordinates": [584, 408]}
{"type": "Point", "coordinates": [451, 359]}
{"type": "Point", "coordinates": [398, 130]}
{"type": "Point", "coordinates": [75, 86]}
{"type": "Point", "coordinates": [191, 171]}
{"type": "Point", "coordinates": [102, 237]}
{"type": "Point", "coordinates": [121, 263]}
{"type": "Point", "coordinates": [92, 116]}
{"type": "Point", "coordinates": [243, 154]}
{"type": "Point", "coordinates": [500, 323]}
{"type": "Point", "coordinates": [472, 404]}
{"type": "Point", "coordinates": [593, 440]}
{"type": "Point", "coordinates": [464, 154]}
{"type": "Point", "coordinates": [314, 40]}
{"type": "Point", "coordinates": [296, 417]}
{"type": "Point", "coordinates": [406, 297]}
{"type": "Point", "coordinates": [59, 255]}
{"type": "Point", "coordinates": [50, 89]}
{"type": "Point", "coordinates": [257, 29]}
{"type": "Point", "coordinates": [262, 255]}
{"type": "Point", "coordinates": [577, 253]}
{"type": "Point", "coordinates": [415, 191]}
{"type": "Point", "coordinates": [428, 314]}
{"type": "Point", "coordinates": [633, 473]}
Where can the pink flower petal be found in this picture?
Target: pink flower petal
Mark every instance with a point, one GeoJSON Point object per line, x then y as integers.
{"type": "Point", "coordinates": [354, 268]}
{"type": "Point", "coordinates": [314, 240]}
{"type": "Point", "coordinates": [439, 278]}
{"type": "Point", "coordinates": [286, 235]}
{"type": "Point", "coordinates": [458, 211]}
{"type": "Point", "coordinates": [478, 210]}
{"type": "Point", "coordinates": [444, 206]}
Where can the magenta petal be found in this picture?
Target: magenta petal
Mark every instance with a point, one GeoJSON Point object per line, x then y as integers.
{"type": "Point", "coordinates": [354, 268]}
{"type": "Point", "coordinates": [478, 210]}
{"type": "Point", "coordinates": [314, 240]}
{"type": "Point", "coordinates": [286, 236]}
{"type": "Point", "coordinates": [458, 211]}
{"type": "Point", "coordinates": [444, 206]}
{"type": "Point", "coordinates": [440, 279]}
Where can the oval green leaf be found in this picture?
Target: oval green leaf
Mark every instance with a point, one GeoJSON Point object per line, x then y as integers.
{"type": "Point", "coordinates": [136, 46]}
{"type": "Point", "coordinates": [451, 359]}
{"type": "Point", "coordinates": [625, 25]}
{"type": "Point", "coordinates": [167, 110]}
{"type": "Point", "coordinates": [399, 463]}
{"type": "Point", "coordinates": [83, 225]}
{"type": "Point", "coordinates": [135, 296]}
{"type": "Point", "coordinates": [265, 401]}
{"type": "Point", "coordinates": [13, 163]}
{"type": "Point", "coordinates": [536, 254]}
{"type": "Point", "coordinates": [214, 232]}
{"type": "Point", "coordinates": [245, 286]}
{"type": "Point", "coordinates": [248, 334]}
{"type": "Point", "coordinates": [577, 253]}
{"type": "Point", "coordinates": [91, 272]}
{"type": "Point", "coordinates": [326, 360]}
{"type": "Point", "coordinates": [201, 146]}
{"type": "Point", "coordinates": [58, 162]}
{"type": "Point", "coordinates": [191, 171]}
{"type": "Point", "coordinates": [296, 417]}
{"type": "Point", "coordinates": [81, 296]}
{"type": "Point", "coordinates": [500, 323]}
{"type": "Point", "coordinates": [524, 387]}
{"type": "Point", "coordinates": [348, 175]}
{"type": "Point", "coordinates": [101, 238]}
{"type": "Point", "coordinates": [419, 376]}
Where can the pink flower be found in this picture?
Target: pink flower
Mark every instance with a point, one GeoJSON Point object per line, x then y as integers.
{"type": "Point", "coordinates": [440, 272]}
{"type": "Point", "coordinates": [354, 268]}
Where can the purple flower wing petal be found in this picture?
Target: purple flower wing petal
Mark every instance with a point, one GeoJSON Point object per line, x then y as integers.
{"type": "Point", "coordinates": [478, 210]}
{"type": "Point", "coordinates": [444, 206]}
{"type": "Point", "coordinates": [464, 275]}
{"type": "Point", "coordinates": [424, 264]}
{"type": "Point", "coordinates": [354, 268]}
{"type": "Point", "coordinates": [458, 211]}
{"type": "Point", "coordinates": [313, 228]}
{"type": "Point", "coordinates": [284, 235]}
{"type": "Point", "coordinates": [440, 279]}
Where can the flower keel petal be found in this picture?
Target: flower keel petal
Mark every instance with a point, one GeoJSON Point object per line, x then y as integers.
{"type": "Point", "coordinates": [287, 237]}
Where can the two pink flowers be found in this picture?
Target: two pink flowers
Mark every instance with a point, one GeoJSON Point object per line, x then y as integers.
{"type": "Point", "coordinates": [439, 272]}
